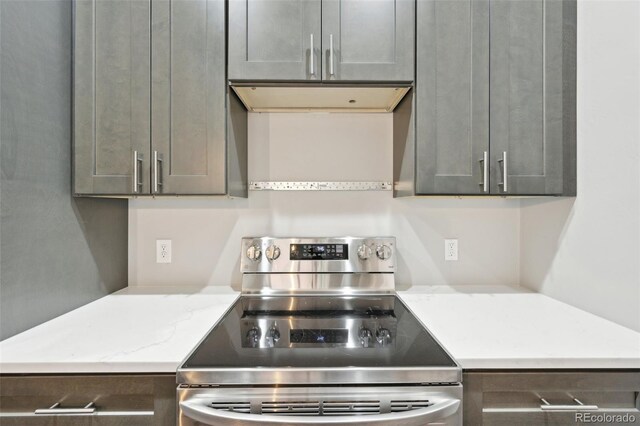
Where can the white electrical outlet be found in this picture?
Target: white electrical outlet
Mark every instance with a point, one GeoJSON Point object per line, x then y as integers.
{"type": "Point", "coordinates": [163, 251]}
{"type": "Point", "coordinates": [451, 249]}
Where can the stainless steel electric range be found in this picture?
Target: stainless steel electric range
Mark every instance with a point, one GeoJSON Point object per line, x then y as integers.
{"type": "Point", "coordinates": [318, 336]}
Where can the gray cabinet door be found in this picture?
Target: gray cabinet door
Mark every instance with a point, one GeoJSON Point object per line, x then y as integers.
{"type": "Point", "coordinates": [532, 103]}
{"type": "Point", "coordinates": [368, 40]}
{"type": "Point", "coordinates": [452, 86]}
{"type": "Point", "coordinates": [274, 39]}
{"type": "Point", "coordinates": [111, 97]}
{"type": "Point", "coordinates": [189, 94]}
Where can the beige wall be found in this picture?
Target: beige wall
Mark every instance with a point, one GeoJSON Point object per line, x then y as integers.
{"type": "Point", "coordinates": [586, 251]}
{"type": "Point", "coordinates": [206, 232]}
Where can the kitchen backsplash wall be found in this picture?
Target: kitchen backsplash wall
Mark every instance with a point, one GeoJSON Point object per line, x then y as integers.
{"type": "Point", "coordinates": [206, 232]}
{"type": "Point", "coordinates": [586, 251]}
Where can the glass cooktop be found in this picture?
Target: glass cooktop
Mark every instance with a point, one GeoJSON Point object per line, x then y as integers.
{"type": "Point", "coordinates": [316, 332]}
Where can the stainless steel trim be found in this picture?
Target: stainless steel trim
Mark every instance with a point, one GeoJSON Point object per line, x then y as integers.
{"type": "Point", "coordinates": [312, 67]}
{"type": "Point", "coordinates": [90, 408]}
{"type": "Point", "coordinates": [311, 375]}
{"type": "Point", "coordinates": [250, 401]}
{"type": "Point", "coordinates": [485, 171]}
{"type": "Point", "coordinates": [198, 409]}
{"type": "Point", "coordinates": [320, 186]}
{"type": "Point", "coordinates": [338, 283]}
{"type": "Point", "coordinates": [331, 71]}
{"type": "Point", "coordinates": [284, 264]}
{"type": "Point", "coordinates": [157, 163]}
{"type": "Point", "coordinates": [546, 406]}
{"type": "Point", "coordinates": [504, 182]}
{"type": "Point", "coordinates": [137, 162]}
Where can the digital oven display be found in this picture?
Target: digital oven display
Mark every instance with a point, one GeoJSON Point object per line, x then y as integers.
{"type": "Point", "coordinates": [327, 336]}
{"type": "Point", "coordinates": [318, 252]}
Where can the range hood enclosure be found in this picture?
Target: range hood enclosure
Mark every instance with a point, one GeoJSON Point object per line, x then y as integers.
{"type": "Point", "coordinates": [320, 98]}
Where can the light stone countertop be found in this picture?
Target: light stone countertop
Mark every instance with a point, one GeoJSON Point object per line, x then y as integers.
{"type": "Point", "coordinates": [135, 330]}
{"type": "Point", "coordinates": [500, 327]}
{"type": "Point", "coordinates": [152, 329]}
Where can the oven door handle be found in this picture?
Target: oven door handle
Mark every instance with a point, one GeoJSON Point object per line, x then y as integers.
{"type": "Point", "coordinates": [198, 410]}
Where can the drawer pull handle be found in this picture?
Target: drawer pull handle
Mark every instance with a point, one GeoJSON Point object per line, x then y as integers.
{"type": "Point", "coordinates": [90, 408]}
{"type": "Point", "coordinates": [578, 407]}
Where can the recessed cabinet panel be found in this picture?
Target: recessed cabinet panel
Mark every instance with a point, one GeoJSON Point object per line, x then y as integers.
{"type": "Point", "coordinates": [368, 40]}
{"type": "Point", "coordinates": [188, 104]}
{"type": "Point", "coordinates": [111, 97]}
{"type": "Point", "coordinates": [274, 40]}
{"type": "Point", "coordinates": [452, 96]}
{"type": "Point", "coordinates": [526, 97]}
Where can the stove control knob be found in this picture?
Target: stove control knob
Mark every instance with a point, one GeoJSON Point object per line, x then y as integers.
{"type": "Point", "coordinates": [272, 252]}
{"type": "Point", "coordinates": [364, 252]}
{"type": "Point", "coordinates": [254, 252]}
{"type": "Point", "coordinates": [383, 252]}
{"type": "Point", "coordinates": [383, 336]}
{"type": "Point", "coordinates": [273, 335]}
{"type": "Point", "coordinates": [365, 337]}
{"type": "Point", "coordinates": [253, 337]}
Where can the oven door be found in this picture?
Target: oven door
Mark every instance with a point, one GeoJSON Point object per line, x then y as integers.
{"type": "Point", "coordinates": [348, 405]}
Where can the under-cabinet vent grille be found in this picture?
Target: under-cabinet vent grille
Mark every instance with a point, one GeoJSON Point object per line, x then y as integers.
{"type": "Point", "coordinates": [291, 408]}
{"type": "Point", "coordinates": [237, 406]}
{"type": "Point", "coordinates": [408, 405]}
{"type": "Point", "coordinates": [343, 408]}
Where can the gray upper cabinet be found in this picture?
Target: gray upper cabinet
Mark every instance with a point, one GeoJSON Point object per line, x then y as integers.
{"type": "Point", "coordinates": [368, 40]}
{"type": "Point", "coordinates": [274, 39]}
{"type": "Point", "coordinates": [495, 102]}
{"type": "Point", "coordinates": [452, 126]}
{"type": "Point", "coordinates": [188, 103]}
{"type": "Point", "coordinates": [314, 40]}
{"type": "Point", "coordinates": [111, 97]}
{"type": "Point", "coordinates": [532, 106]}
{"type": "Point", "coordinates": [150, 84]}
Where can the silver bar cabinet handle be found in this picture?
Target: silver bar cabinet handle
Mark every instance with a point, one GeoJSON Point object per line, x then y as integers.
{"type": "Point", "coordinates": [312, 67]}
{"type": "Point", "coordinates": [157, 164]}
{"type": "Point", "coordinates": [579, 407]}
{"type": "Point", "coordinates": [504, 183]}
{"type": "Point", "coordinates": [90, 408]}
{"type": "Point", "coordinates": [485, 171]}
{"type": "Point", "coordinates": [331, 54]}
{"type": "Point", "coordinates": [137, 162]}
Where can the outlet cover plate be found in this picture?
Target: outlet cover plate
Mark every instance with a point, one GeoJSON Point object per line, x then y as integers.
{"type": "Point", "coordinates": [163, 251]}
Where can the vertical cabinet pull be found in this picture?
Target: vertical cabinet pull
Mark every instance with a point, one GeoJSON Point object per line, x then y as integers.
{"type": "Point", "coordinates": [157, 172]}
{"type": "Point", "coordinates": [484, 161]}
{"type": "Point", "coordinates": [331, 72]}
{"type": "Point", "coordinates": [504, 183]}
{"type": "Point", "coordinates": [137, 164]}
{"type": "Point", "coordinates": [312, 68]}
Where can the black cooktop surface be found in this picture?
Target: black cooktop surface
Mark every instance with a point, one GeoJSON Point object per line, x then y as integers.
{"type": "Point", "coordinates": [308, 346]}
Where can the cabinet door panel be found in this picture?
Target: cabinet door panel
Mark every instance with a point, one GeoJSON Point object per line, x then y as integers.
{"type": "Point", "coordinates": [189, 91]}
{"type": "Point", "coordinates": [527, 96]}
{"type": "Point", "coordinates": [111, 96]}
{"type": "Point", "coordinates": [372, 40]}
{"type": "Point", "coordinates": [452, 85]}
{"type": "Point", "coordinates": [271, 40]}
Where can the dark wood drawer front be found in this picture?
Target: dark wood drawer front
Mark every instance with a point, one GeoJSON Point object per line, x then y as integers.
{"type": "Point", "coordinates": [117, 399]}
{"type": "Point", "coordinates": [508, 398]}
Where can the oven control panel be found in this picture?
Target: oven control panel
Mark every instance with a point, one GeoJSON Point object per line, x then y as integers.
{"type": "Point", "coordinates": [349, 331]}
{"type": "Point", "coordinates": [318, 255]}
{"type": "Point", "coordinates": [318, 252]}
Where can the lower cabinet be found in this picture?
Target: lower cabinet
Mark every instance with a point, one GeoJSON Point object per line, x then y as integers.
{"type": "Point", "coordinates": [539, 398]}
{"type": "Point", "coordinates": [92, 400]}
